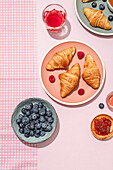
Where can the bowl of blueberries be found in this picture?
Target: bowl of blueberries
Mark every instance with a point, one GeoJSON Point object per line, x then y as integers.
{"type": "Point", "coordinates": [34, 120]}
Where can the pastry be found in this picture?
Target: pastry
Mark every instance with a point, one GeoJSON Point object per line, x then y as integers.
{"type": "Point", "coordinates": [97, 18]}
{"type": "Point", "coordinates": [61, 59]}
{"type": "Point", "coordinates": [91, 74]}
{"type": "Point", "coordinates": [86, 0]}
{"type": "Point", "coordinates": [69, 80]}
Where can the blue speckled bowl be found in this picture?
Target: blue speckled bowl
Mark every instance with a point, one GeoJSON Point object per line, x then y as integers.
{"type": "Point", "coordinates": [17, 111]}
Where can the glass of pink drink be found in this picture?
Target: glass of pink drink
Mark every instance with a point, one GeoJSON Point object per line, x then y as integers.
{"type": "Point", "coordinates": [54, 17]}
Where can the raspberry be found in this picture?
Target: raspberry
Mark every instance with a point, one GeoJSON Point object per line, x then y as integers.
{"type": "Point", "coordinates": [81, 91]}
{"type": "Point", "coordinates": [52, 79]}
{"type": "Point", "coordinates": [80, 54]}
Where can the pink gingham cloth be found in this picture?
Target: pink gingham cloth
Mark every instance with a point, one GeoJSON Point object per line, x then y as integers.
{"type": "Point", "coordinates": [18, 78]}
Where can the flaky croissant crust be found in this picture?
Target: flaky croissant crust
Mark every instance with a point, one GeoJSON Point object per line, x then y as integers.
{"type": "Point", "coordinates": [61, 59]}
{"type": "Point", "coordinates": [69, 80]}
{"type": "Point", "coordinates": [97, 18]}
{"type": "Point", "coordinates": [91, 74]}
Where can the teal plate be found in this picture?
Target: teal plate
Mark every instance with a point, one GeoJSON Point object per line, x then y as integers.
{"type": "Point", "coordinates": [79, 5]}
{"type": "Point", "coordinates": [17, 111]}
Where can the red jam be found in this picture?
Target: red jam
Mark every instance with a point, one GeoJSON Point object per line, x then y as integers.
{"type": "Point", "coordinates": [80, 54]}
{"type": "Point", "coordinates": [54, 18]}
{"type": "Point", "coordinates": [102, 126]}
{"type": "Point", "coordinates": [52, 79]}
{"type": "Point", "coordinates": [81, 91]}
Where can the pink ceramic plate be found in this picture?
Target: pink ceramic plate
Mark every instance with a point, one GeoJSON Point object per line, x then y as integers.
{"type": "Point", "coordinates": [53, 89]}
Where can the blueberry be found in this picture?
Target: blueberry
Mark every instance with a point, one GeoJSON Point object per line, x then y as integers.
{"type": "Point", "coordinates": [21, 130]}
{"type": "Point", "coordinates": [30, 118]}
{"type": "Point", "coordinates": [23, 110]}
{"type": "Point", "coordinates": [38, 115]}
{"type": "Point", "coordinates": [42, 133]}
{"type": "Point", "coordinates": [25, 120]}
{"type": "Point", "coordinates": [34, 116]}
{"type": "Point", "coordinates": [36, 121]}
{"type": "Point", "coordinates": [18, 121]}
{"type": "Point", "coordinates": [101, 6]}
{"type": "Point", "coordinates": [101, 105]}
{"type": "Point", "coordinates": [35, 106]}
{"type": "Point", "coordinates": [44, 125]}
{"type": "Point", "coordinates": [37, 135]}
{"type": "Point", "coordinates": [21, 125]}
{"type": "Point", "coordinates": [20, 116]}
{"type": "Point", "coordinates": [44, 107]}
{"type": "Point", "coordinates": [38, 126]}
{"type": "Point", "coordinates": [34, 110]}
{"type": "Point", "coordinates": [110, 18]}
{"type": "Point", "coordinates": [49, 128]}
{"type": "Point", "coordinates": [94, 4]}
{"type": "Point", "coordinates": [104, 0]}
{"type": "Point", "coordinates": [28, 113]}
{"type": "Point", "coordinates": [49, 113]}
{"type": "Point", "coordinates": [48, 124]}
{"type": "Point", "coordinates": [50, 119]}
{"type": "Point", "coordinates": [29, 106]}
{"type": "Point", "coordinates": [42, 111]}
{"type": "Point", "coordinates": [31, 133]}
{"type": "Point", "coordinates": [40, 105]}
{"type": "Point", "coordinates": [46, 117]}
{"type": "Point", "coordinates": [37, 131]}
{"type": "Point", "coordinates": [26, 135]}
{"type": "Point", "coordinates": [26, 131]}
{"type": "Point", "coordinates": [32, 125]}
{"type": "Point", "coordinates": [42, 119]}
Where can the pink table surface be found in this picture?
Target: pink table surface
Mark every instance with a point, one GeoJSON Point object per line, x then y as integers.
{"type": "Point", "coordinates": [73, 147]}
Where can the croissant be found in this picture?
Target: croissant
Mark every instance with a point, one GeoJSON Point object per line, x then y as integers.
{"type": "Point", "coordinates": [61, 59]}
{"type": "Point", "coordinates": [69, 80]}
{"type": "Point", "coordinates": [91, 74]}
{"type": "Point", "coordinates": [97, 18]}
{"type": "Point", "coordinates": [86, 0]}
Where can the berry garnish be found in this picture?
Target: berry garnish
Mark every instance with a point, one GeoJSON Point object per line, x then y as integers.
{"type": "Point", "coordinates": [52, 79]}
{"type": "Point", "coordinates": [110, 18]}
{"type": "Point", "coordinates": [94, 4]}
{"type": "Point", "coordinates": [80, 54]}
{"type": "Point", "coordinates": [101, 6]}
{"type": "Point", "coordinates": [81, 91]}
{"type": "Point", "coordinates": [101, 105]}
{"type": "Point", "coordinates": [104, 0]}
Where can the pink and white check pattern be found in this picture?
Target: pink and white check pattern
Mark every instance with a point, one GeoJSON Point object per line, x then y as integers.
{"type": "Point", "coordinates": [18, 78]}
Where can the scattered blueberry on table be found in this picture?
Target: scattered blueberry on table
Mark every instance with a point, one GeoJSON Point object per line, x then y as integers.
{"type": "Point", "coordinates": [101, 105]}
{"type": "Point", "coordinates": [35, 120]}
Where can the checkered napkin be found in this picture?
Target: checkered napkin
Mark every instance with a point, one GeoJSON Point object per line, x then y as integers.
{"type": "Point", "coordinates": [18, 78]}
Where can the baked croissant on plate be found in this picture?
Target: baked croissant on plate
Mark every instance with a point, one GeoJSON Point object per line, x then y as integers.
{"type": "Point", "coordinates": [61, 59]}
{"type": "Point", "coordinates": [69, 80]}
{"type": "Point", "coordinates": [86, 0]}
{"type": "Point", "coordinates": [97, 18]}
{"type": "Point", "coordinates": [91, 74]}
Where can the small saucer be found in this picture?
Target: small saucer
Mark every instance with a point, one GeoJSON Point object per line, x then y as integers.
{"type": "Point", "coordinates": [108, 101]}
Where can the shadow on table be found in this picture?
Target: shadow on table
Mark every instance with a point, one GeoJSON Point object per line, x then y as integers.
{"type": "Point", "coordinates": [62, 33]}
{"type": "Point", "coordinates": [94, 34]}
{"type": "Point", "coordinates": [48, 141]}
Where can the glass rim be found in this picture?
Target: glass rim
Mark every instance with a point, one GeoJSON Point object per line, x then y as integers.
{"type": "Point", "coordinates": [49, 27]}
